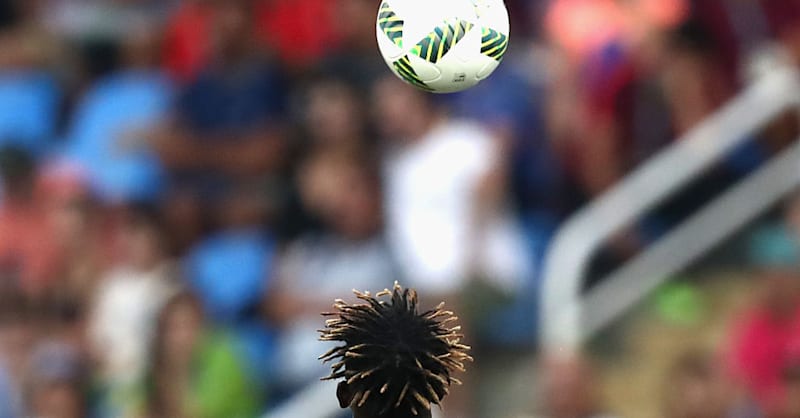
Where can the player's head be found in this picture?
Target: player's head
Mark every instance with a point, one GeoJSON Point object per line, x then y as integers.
{"type": "Point", "coordinates": [394, 362]}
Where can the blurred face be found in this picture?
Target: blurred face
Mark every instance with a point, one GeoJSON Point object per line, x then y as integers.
{"type": "Point", "coordinates": [343, 196]}
{"type": "Point", "coordinates": [792, 405]}
{"type": "Point", "coordinates": [71, 221]}
{"type": "Point", "coordinates": [334, 114]}
{"type": "Point", "coordinates": [142, 246]}
{"type": "Point", "coordinates": [569, 389]}
{"type": "Point", "coordinates": [16, 338]}
{"type": "Point", "coordinates": [182, 329]}
{"type": "Point", "coordinates": [141, 47]}
{"type": "Point", "coordinates": [243, 208]}
{"type": "Point", "coordinates": [58, 400]}
{"type": "Point", "coordinates": [232, 27]}
{"type": "Point", "coordinates": [400, 111]}
{"type": "Point", "coordinates": [355, 212]}
{"type": "Point", "coordinates": [780, 291]}
{"type": "Point", "coordinates": [697, 397]}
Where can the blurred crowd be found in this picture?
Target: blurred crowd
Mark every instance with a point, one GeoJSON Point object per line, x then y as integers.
{"type": "Point", "coordinates": [187, 184]}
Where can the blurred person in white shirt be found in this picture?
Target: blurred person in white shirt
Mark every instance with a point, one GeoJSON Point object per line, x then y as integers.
{"type": "Point", "coordinates": [127, 303]}
{"type": "Point", "coordinates": [445, 196]}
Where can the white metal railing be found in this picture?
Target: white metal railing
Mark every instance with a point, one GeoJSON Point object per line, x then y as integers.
{"type": "Point", "coordinates": [568, 317]}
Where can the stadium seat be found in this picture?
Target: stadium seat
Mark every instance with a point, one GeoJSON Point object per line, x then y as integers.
{"type": "Point", "coordinates": [29, 105]}
{"type": "Point", "coordinates": [106, 135]}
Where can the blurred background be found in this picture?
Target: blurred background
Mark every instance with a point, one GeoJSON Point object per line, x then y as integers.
{"type": "Point", "coordinates": [187, 184]}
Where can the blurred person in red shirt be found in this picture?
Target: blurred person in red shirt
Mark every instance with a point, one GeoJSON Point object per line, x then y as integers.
{"type": "Point", "coordinates": [765, 339]}
{"type": "Point", "coordinates": [762, 338]}
{"type": "Point", "coordinates": [82, 230]}
{"type": "Point", "coordinates": [186, 42]}
{"type": "Point", "coordinates": [299, 32]}
{"type": "Point", "coordinates": [29, 257]}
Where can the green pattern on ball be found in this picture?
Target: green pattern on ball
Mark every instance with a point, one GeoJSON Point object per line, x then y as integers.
{"type": "Point", "coordinates": [494, 44]}
{"type": "Point", "coordinates": [391, 24]}
{"type": "Point", "coordinates": [434, 46]}
{"type": "Point", "coordinates": [404, 69]}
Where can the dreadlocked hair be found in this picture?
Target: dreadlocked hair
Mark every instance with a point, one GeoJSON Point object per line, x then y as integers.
{"type": "Point", "coordinates": [396, 360]}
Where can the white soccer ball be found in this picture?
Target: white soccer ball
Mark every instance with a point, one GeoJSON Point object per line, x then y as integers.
{"type": "Point", "coordinates": [443, 46]}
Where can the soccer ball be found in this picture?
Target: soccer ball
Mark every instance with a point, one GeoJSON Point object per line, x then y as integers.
{"type": "Point", "coordinates": [442, 46]}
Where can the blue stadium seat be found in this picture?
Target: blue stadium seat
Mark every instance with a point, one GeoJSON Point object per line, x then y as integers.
{"type": "Point", "coordinates": [229, 272]}
{"type": "Point", "coordinates": [29, 106]}
{"type": "Point", "coordinates": [106, 135]}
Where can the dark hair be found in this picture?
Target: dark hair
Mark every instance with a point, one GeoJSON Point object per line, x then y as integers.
{"type": "Point", "coordinates": [396, 361]}
{"type": "Point", "coordinates": [144, 214]}
{"type": "Point", "coordinates": [692, 36]}
{"type": "Point", "coordinates": [17, 169]}
{"type": "Point", "coordinates": [156, 401]}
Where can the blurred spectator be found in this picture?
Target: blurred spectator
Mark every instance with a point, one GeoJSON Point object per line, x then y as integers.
{"type": "Point", "coordinates": [765, 340]}
{"type": "Point", "coordinates": [334, 116]}
{"type": "Point", "coordinates": [226, 132]}
{"type": "Point", "coordinates": [126, 304]}
{"type": "Point", "coordinates": [299, 33]}
{"type": "Point", "coordinates": [16, 339]}
{"type": "Point", "coordinates": [696, 386]}
{"type": "Point", "coordinates": [82, 229]}
{"type": "Point", "coordinates": [444, 196]}
{"type": "Point", "coordinates": [571, 389]}
{"type": "Point", "coordinates": [740, 28]}
{"type": "Point", "coordinates": [106, 133]}
{"type": "Point", "coordinates": [186, 44]}
{"type": "Point", "coordinates": [791, 379]}
{"type": "Point", "coordinates": [56, 383]}
{"type": "Point", "coordinates": [29, 257]}
{"type": "Point", "coordinates": [693, 80]}
{"type": "Point", "coordinates": [343, 190]}
{"type": "Point", "coordinates": [354, 56]}
{"type": "Point", "coordinates": [196, 371]}
{"type": "Point", "coordinates": [511, 104]}
{"type": "Point", "coordinates": [229, 271]}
